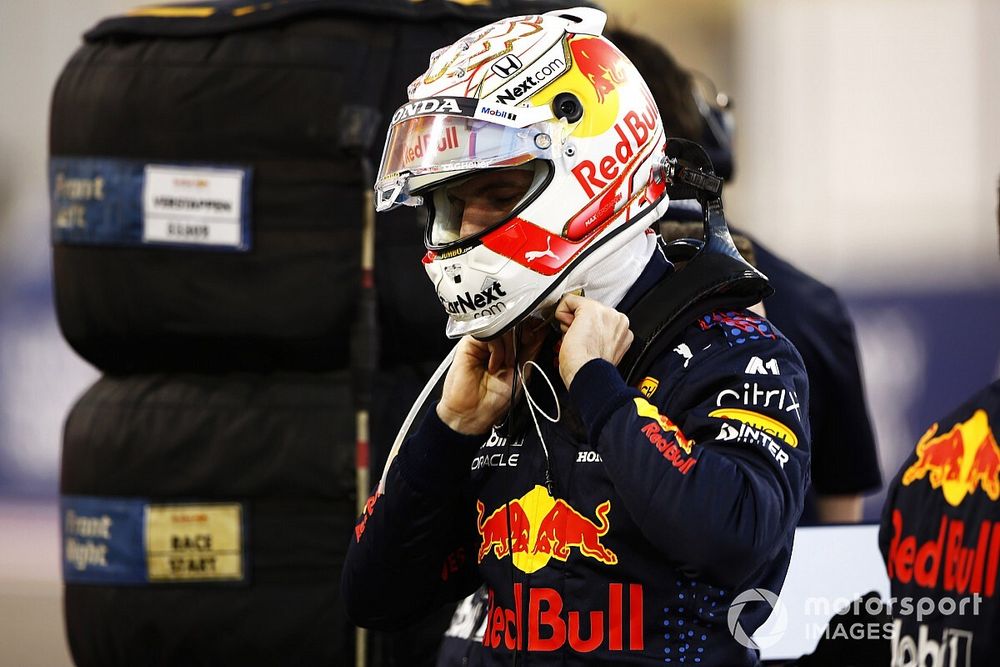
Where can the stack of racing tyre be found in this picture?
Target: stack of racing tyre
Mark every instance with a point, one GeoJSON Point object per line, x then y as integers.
{"type": "Point", "coordinates": [208, 174]}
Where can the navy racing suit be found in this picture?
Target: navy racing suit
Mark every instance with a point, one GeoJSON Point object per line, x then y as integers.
{"type": "Point", "coordinates": [620, 533]}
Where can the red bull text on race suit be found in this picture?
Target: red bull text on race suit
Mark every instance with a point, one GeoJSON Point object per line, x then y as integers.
{"type": "Point", "coordinates": [964, 557]}
{"type": "Point", "coordinates": [946, 563]}
{"type": "Point", "coordinates": [550, 626]}
{"type": "Point", "coordinates": [531, 530]}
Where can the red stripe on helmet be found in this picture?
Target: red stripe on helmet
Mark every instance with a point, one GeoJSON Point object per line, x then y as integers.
{"type": "Point", "coordinates": [532, 247]}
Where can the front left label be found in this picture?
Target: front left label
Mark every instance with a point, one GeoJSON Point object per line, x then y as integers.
{"type": "Point", "coordinates": [101, 201]}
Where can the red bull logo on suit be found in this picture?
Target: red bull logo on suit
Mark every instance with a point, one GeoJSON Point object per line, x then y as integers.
{"type": "Point", "coordinates": [536, 527]}
{"type": "Point", "coordinates": [959, 462]}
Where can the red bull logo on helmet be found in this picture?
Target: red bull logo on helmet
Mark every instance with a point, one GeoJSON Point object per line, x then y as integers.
{"type": "Point", "coordinates": [600, 62]}
{"type": "Point", "coordinates": [600, 77]}
{"type": "Point", "coordinates": [959, 462]}
{"type": "Point", "coordinates": [536, 527]}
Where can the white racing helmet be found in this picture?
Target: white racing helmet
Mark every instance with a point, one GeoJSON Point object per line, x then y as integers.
{"type": "Point", "coordinates": [572, 140]}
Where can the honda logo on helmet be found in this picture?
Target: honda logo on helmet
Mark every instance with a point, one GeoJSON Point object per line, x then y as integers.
{"type": "Point", "coordinates": [431, 105]}
{"type": "Point", "coordinates": [531, 82]}
{"type": "Point", "coordinates": [507, 66]}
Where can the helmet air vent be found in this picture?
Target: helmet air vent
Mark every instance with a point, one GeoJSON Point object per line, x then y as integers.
{"type": "Point", "coordinates": [567, 107]}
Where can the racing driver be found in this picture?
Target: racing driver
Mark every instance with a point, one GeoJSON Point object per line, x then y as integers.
{"type": "Point", "coordinates": [609, 523]}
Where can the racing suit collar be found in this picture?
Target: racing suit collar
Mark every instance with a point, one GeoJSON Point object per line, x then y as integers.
{"type": "Point", "coordinates": [656, 270]}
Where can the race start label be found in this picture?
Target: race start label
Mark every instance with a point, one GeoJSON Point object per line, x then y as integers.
{"type": "Point", "coordinates": [194, 542]}
{"type": "Point", "coordinates": [131, 541]}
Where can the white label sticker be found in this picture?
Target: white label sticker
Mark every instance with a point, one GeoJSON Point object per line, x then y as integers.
{"type": "Point", "coordinates": [193, 206]}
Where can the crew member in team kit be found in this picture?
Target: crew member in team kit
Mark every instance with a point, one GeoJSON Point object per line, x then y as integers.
{"type": "Point", "coordinates": [940, 538]}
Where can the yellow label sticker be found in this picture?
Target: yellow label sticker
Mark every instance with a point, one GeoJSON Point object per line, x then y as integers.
{"type": "Point", "coordinates": [201, 542]}
{"type": "Point", "coordinates": [760, 422]}
{"type": "Point", "coordinates": [648, 386]}
{"type": "Point", "coordinates": [173, 12]}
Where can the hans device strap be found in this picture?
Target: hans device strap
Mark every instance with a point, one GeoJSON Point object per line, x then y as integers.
{"type": "Point", "coordinates": [716, 276]}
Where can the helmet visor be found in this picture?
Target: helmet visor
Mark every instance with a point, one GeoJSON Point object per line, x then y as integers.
{"type": "Point", "coordinates": [424, 150]}
{"type": "Point", "coordinates": [466, 207]}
